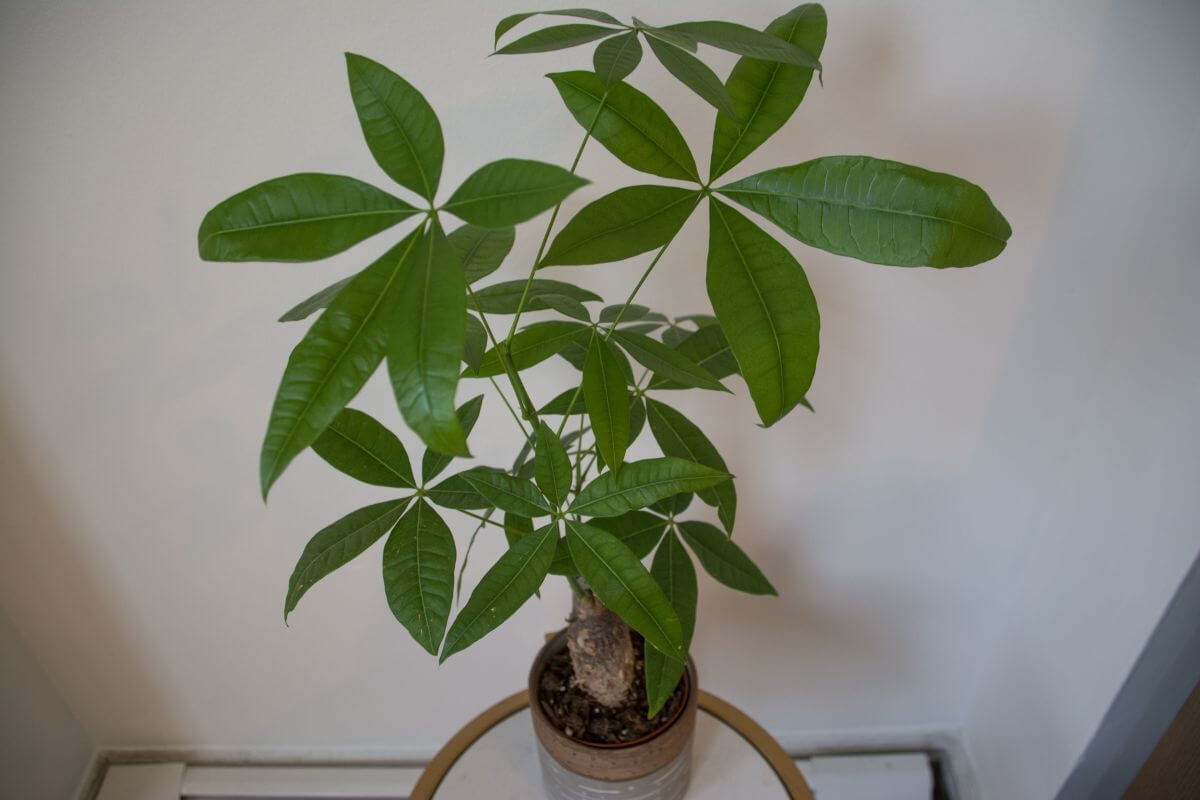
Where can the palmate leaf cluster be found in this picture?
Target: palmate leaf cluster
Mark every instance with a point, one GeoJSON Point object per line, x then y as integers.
{"type": "Point", "coordinates": [570, 503]}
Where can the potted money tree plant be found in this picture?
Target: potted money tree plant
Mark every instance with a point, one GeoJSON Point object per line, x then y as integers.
{"type": "Point", "coordinates": [613, 696]}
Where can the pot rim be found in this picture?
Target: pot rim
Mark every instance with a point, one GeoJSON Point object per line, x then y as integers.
{"type": "Point", "coordinates": [559, 641]}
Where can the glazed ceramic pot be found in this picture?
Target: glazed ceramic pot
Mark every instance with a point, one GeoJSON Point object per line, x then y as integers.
{"type": "Point", "coordinates": [654, 767]}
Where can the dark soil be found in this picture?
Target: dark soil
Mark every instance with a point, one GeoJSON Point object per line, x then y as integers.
{"type": "Point", "coordinates": [577, 715]}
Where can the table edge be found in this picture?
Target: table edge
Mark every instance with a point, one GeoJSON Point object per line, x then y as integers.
{"type": "Point", "coordinates": [781, 763]}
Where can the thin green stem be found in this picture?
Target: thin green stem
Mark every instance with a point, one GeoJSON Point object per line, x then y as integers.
{"type": "Point", "coordinates": [550, 225]}
{"type": "Point", "coordinates": [518, 387]}
{"type": "Point", "coordinates": [516, 417]}
{"type": "Point", "coordinates": [579, 456]}
{"type": "Point", "coordinates": [486, 521]}
{"type": "Point", "coordinates": [637, 287]}
{"type": "Point", "coordinates": [463, 569]}
{"type": "Point", "coordinates": [620, 313]}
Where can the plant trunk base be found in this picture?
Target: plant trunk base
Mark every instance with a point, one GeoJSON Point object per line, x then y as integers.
{"type": "Point", "coordinates": [601, 651]}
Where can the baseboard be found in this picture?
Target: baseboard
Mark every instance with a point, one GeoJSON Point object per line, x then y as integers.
{"type": "Point", "coordinates": [943, 748]}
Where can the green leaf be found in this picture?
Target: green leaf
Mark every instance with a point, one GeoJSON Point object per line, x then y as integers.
{"type": "Point", "coordinates": [333, 360]}
{"type": "Point", "coordinates": [628, 123]}
{"type": "Point", "coordinates": [618, 578]}
{"type": "Point", "coordinates": [766, 308]}
{"type": "Point", "coordinates": [399, 125]}
{"type": "Point", "coordinates": [359, 446]}
{"type": "Point", "coordinates": [679, 437]}
{"type": "Point", "coordinates": [673, 336]}
{"type": "Point", "coordinates": [567, 306]}
{"type": "Point", "coordinates": [629, 313]}
{"type": "Point", "coordinates": [511, 21]}
{"type": "Point", "coordinates": [562, 405]}
{"type": "Point", "coordinates": [516, 527]}
{"type": "Point", "coordinates": [510, 191]}
{"type": "Point", "coordinates": [475, 343]}
{"type": "Point", "coordinates": [606, 396]}
{"type": "Point", "coordinates": [508, 493]}
{"type": "Point", "coordinates": [576, 354]}
{"type": "Point", "coordinates": [746, 42]}
{"type": "Point", "coordinates": [433, 462]}
{"type": "Point", "coordinates": [766, 93]}
{"type": "Point", "coordinates": [629, 221]}
{"type": "Point", "coordinates": [459, 493]}
{"type": "Point", "coordinates": [670, 37]}
{"type": "Point", "coordinates": [883, 212]}
{"type": "Point", "coordinates": [637, 530]}
{"type": "Point", "coordinates": [674, 506]}
{"type": "Point", "coordinates": [694, 74]}
{"type": "Point", "coordinates": [337, 544]}
{"type": "Point", "coordinates": [707, 348]}
{"type": "Point", "coordinates": [637, 417]}
{"type": "Point", "coordinates": [616, 58]}
{"type": "Point", "coordinates": [426, 344]}
{"type": "Point", "coordinates": [315, 303]}
{"type": "Point", "coordinates": [530, 346]}
{"type": "Point", "coordinates": [556, 37]}
{"type": "Point", "coordinates": [641, 483]}
{"type": "Point", "coordinates": [418, 574]}
{"type": "Point", "coordinates": [699, 320]}
{"type": "Point", "coordinates": [640, 327]}
{"type": "Point", "coordinates": [664, 361]}
{"type": "Point", "coordinates": [482, 250]}
{"type": "Point", "coordinates": [504, 298]}
{"type": "Point", "coordinates": [551, 466]}
{"type": "Point", "coordinates": [558, 407]}
{"type": "Point", "coordinates": [504, 588]}
{"type": "Point", "coordinates": [674, 573]}
{"type": "Point", "coordinates": [723, 559]}
{"type": "Point", "coordinates": [302, 217]}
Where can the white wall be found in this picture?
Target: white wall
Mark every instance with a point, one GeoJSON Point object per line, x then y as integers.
{"type": "Point", "coordinates": [1090, 469]}
{"type": "Point", "coordinates": [146, 573]}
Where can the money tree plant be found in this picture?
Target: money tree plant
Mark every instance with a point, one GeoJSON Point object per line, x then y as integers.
{"type": "Point", "coordinates": [569, 503]}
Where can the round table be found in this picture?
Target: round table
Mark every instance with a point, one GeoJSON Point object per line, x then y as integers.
{"type": "Point", "coordinates": [494, 756]}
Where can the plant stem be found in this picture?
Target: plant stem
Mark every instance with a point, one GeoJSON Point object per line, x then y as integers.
{"type": "Point", "coordinates": [637, 287]}
{"type": "Point", "coordinates": [620, 313]}
{"type": "Point", "coordinates": [488, 521]}
{"type": "Point", "coordinates": [505, 351]}
{"type": "Point", "coordinates": [550, 225]}
{"type": "Point", "coordinates": [512, 411]}
{"type": "Point", "coordinates": [512, 376]}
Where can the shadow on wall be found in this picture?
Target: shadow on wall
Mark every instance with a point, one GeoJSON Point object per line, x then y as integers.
{"type": "Point", "coordinates": [43, 750]}
{"type": "Point", "coordinates": [52, 589]}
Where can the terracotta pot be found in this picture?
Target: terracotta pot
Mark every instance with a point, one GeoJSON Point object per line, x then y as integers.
{"type": "Point", "coordinates": [655, 767]}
